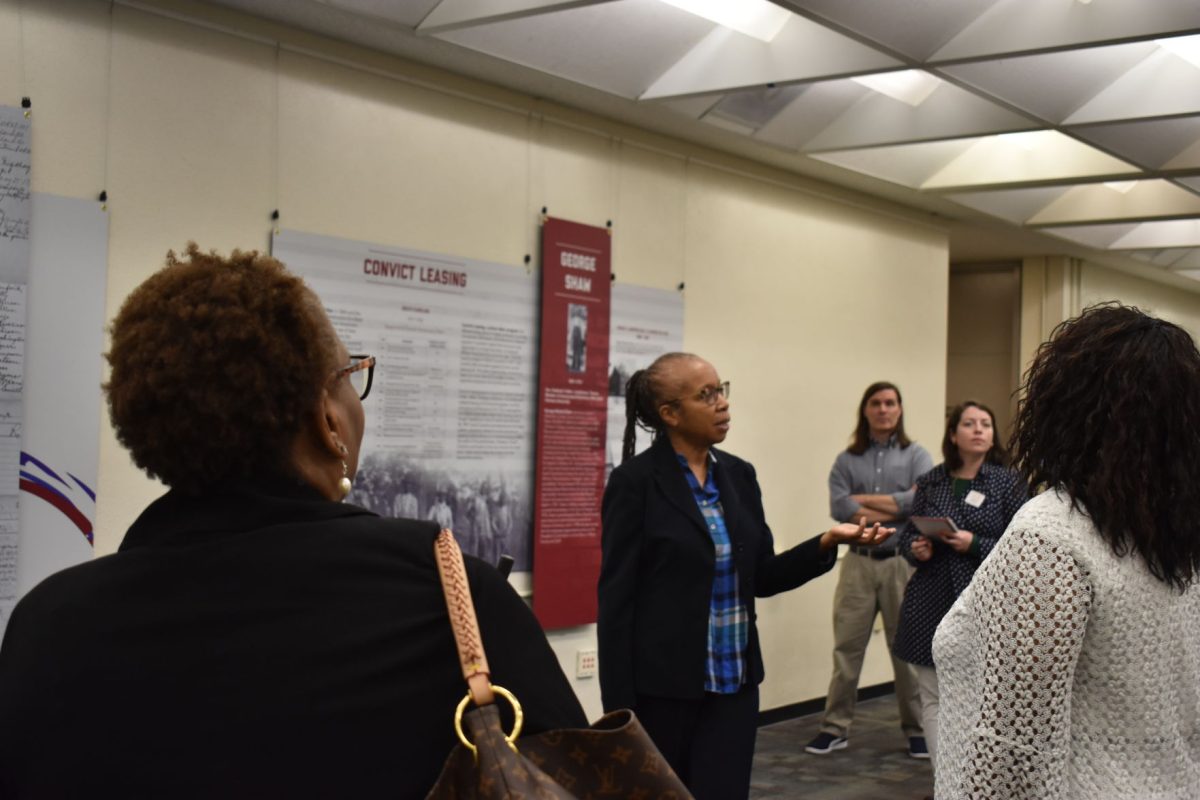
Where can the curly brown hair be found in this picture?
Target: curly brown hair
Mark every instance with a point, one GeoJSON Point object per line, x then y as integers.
{"type": "Point", "coordinates": [215, 362]}
{"type": "Point", "coordinates": [1110, 414]}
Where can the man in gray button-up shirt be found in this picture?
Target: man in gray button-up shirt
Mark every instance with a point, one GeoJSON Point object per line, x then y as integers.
{"type": "Point", "coordinates": [874, 478]}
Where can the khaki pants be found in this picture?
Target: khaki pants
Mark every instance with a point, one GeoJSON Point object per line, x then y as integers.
{"type": "Point", "coordinates": [867, 587]}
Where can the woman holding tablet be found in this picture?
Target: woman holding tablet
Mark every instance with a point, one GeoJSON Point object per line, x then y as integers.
{"type": "Point", "coordinates": [964, 504]}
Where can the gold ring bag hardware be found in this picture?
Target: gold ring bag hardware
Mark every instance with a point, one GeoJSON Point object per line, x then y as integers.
{"type": "Point", "coordinates": [613, 758]}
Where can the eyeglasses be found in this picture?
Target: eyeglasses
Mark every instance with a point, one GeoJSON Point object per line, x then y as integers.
{"type": "Point", "coordinates": [360, 373]}
{"type": "Point", "coordinates": [708, 395]}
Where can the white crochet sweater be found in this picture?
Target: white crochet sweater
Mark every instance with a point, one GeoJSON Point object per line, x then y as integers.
{"type": "Point", "coordinates": [1067, 672]}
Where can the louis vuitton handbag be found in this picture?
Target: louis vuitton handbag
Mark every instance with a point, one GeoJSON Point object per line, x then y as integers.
{"type": "Point", "coordinates": [614, 758]}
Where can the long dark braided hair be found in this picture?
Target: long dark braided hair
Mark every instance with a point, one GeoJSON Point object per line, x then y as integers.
{"type": "Point", "coordinates": [645, 391]}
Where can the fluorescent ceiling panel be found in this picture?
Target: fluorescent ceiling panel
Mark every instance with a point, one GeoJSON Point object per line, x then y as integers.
{"type": "Point", "coordinates": [802, 51]}
{"type": "Point", "coordinates": [1169, 233]}
{"type": "Point", "coordinates": [1152, 143]}
{"type": "Point", "coordinates": [757, 18]}
{"type": "Point", "coordinates": [909, 86]}
{"type": "Point", "coordinates": [1136, 200]}
{"type": "Point", "coordinates": [1100, 237]}
{"type": "Point", "coordinates": [1134, 236]}
{"type": "Point", "coordinates": [1185, 47]}
{"type": "Point", "coordinates": [1028, 157]}
{"type": "Point", "coordinates": [1188, 158]}
{"type": "Point", "coordinates": [916, 28]}
{"type": "Point", "coordinates": [948, 113]}
{"type": "Point", "coordinates": [1053, 85]}
{"type": "Point", "coordinates": [1014, 205]}
{"type": "Point", "coordinates": [1014, 26]}
{"type": "Point", "coordinates": [451, 14]}
{"type": "Point", "coordinates": [408, 13]}
{"type": "Point", "coordinates": [909, 164]}
{"type": "Point", "coordinates": [1160, 85]}
{"type": "Point", "coordinates": [1188, 259]}
{"type": "Point", "coordinates": [1174, 258]}
{"type": "Point", "coordinates": [618, 47]}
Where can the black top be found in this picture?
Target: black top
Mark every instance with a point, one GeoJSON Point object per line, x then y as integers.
{"type": "Point", "coordinates": [938, 582]}
{"type": "Point", "coordinates": [255, 644]}
{"type": "Point", "coordinates": [656, 573]}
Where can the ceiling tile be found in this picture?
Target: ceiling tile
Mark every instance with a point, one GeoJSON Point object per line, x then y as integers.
{"type": "Point", "coordinates": [909, 164]}
{"type": "Point", "coordinates": [1159, 85]}
{"type": "Point", "coordinates": [1100, 237]}
{"type": "Point", "coordinates": [1152, 143]}
{"type": "Point", "coordinates": [1169, 233]}
{"type": "Point", "coordinates": [1053, 85]}
{"type": "Point", "coordinates": [820, 105]}
{"type": "Point", "coordinates": [950, 112]}
{"type": "Point", "coordinates": [756, 107]}
{"type": "Point", "coordinates": [1173, 258]}
{"type": "Point", "coordinates": [916, 28]}
{"type": "Point", "coordinates": [620, 47]}
{"type": "Point", "coordinates": [802, 51]}
{"type": "Point", "coordinates": [1034, 156]}
{"type": "Point", "coordinates": [1014, 26]}
{"type": "Point", "coordinates": [1014, 205]}
{"type": "Point", "coordinates": [408, 13]}
{"type": "Point", "coordinates": [1098, 201]}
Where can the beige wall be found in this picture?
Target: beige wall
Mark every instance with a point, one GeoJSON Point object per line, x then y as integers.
{"type": "Point", "coordinates": [198, 133]}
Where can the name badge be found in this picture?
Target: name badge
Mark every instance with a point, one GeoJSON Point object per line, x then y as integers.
{"type": "Point", "coordinates": [974, 498]}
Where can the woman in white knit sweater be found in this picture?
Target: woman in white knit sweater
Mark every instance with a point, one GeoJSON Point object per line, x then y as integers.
{"type": "Point", "coordinates": [1070, 667]}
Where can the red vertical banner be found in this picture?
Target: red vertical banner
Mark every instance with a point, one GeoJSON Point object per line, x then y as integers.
{"type": "Point", "coordinates": [571, 420]}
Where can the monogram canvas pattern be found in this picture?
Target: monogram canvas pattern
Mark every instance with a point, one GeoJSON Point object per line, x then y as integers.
{"type": "Point", "coordinates": [614, 758]}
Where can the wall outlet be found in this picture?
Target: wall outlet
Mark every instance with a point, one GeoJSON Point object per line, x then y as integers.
{"type": "Point", "coordinates": [585, 663]}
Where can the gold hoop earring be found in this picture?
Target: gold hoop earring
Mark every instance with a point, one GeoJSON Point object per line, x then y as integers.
{"type": "Point", "coordinates": [344, 485]}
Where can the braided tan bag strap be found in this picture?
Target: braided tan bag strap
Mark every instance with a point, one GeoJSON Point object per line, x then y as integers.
{"type": "Point", "coordinates": [462, 617]}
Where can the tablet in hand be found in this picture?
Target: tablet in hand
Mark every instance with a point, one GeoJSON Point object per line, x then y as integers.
{"type": "Point", "coordinates": [938, 528]}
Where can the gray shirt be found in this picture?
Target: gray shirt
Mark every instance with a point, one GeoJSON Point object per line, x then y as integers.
{"type": "Point", "coordinates": [882, 469]}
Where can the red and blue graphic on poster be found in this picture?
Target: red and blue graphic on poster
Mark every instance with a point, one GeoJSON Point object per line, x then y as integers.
{"type": "Point", "coordinates": [572, 419]}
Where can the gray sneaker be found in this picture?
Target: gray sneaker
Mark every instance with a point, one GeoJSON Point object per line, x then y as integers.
{"type": "Point", "coordinates": [825, 743]}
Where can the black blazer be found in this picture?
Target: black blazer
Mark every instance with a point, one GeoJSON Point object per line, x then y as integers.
{"type": "Point", "coordinates": [256, 644]}
{"type": "Point", "coordinates": [656, 573]}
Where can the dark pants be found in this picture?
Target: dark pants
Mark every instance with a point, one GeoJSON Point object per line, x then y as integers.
{"type": "Point", "coordinates": [709, 741]}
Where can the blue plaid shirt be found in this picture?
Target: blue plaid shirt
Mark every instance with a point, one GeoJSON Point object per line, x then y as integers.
{"type": "Point", "coordinates": [727, 618]}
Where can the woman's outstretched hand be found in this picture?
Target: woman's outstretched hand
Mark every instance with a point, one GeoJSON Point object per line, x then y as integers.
{"type": "Point", "coordinates": [860, 534]}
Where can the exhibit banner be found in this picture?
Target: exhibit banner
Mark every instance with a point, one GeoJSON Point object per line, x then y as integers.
{"type": "Point", "coordinates": [572, 410]}
{"type": "Point", "coordinates": [449, 420]}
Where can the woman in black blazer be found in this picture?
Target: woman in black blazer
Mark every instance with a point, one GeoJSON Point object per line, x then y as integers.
{"type": "Point", "coordinates": [686, 549]}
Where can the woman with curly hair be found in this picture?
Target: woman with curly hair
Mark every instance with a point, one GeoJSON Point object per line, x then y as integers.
{"type": "Point", "coordinates": [974, 488]}
{"type": "Point", "coordinates": [1070, 667]}
{"type": "Point", "coordinates": [253, 636]}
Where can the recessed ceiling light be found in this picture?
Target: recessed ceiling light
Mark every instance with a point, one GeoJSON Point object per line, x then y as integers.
{"type": "Point", "coordinates": [1186, 47]}
{"type": "Point", "coordinates": [910, 86]}
{"type": "Point", "coordinates": [758, 18]}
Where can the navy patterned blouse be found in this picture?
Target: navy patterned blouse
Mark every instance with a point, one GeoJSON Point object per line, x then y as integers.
{"type": "Point", "coordinates": [938, 582]}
